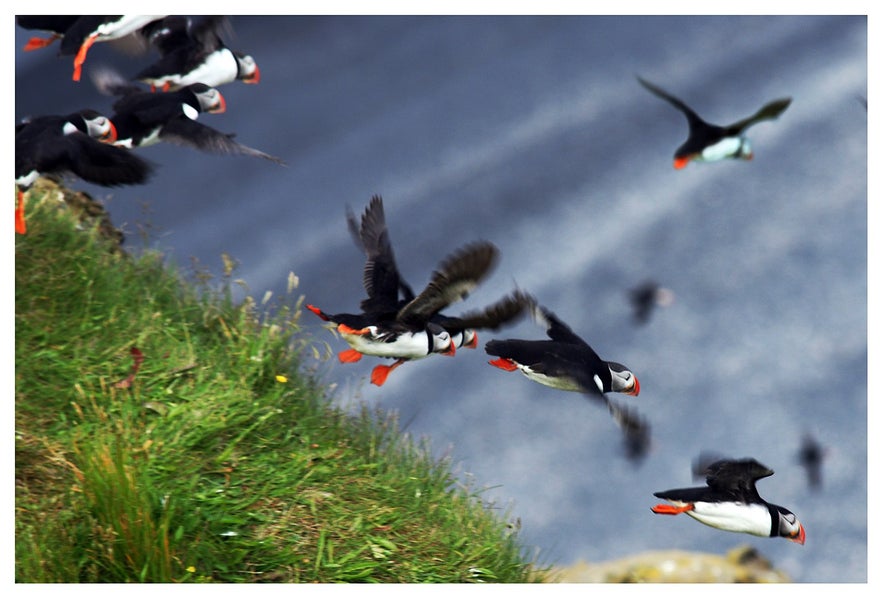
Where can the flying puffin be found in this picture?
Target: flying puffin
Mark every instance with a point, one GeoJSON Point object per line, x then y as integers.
{"type": "Point", "coordinates": [710, 143]}
{"type": "Point", "coordinates": [396, 323]}
{"type": "Point", "coordinates": [143, 118]}
{"type": "Point", "coordinates": [78, 143]}
{"type": "Point", "coordinates": [810, 456]}
{"type": "Point", "coordinates": [408, 333]}
{"type": "Point", "coordinates": [193, 52]}
{"type": "Point", "coordinates": [565, 361]}
{"type": "Point", "coordinates": [372, 237]}
{"type": "Point", "coordinates": [87, 30]}
{"type": "Point", "coordinates": [730, 501]}
{"type": "Point", "coordinates": [646, 296]}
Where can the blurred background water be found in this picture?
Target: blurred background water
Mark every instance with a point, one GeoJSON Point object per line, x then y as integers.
{"type": "Point", "coordinates": [533, 133]}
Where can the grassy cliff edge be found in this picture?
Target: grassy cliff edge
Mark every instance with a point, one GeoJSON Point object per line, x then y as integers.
{"type": "Point", "coordinates": [166, 433]}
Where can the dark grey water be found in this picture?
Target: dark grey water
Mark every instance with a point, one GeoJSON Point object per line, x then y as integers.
{"type": "Point", "coordinates": [533, 133]}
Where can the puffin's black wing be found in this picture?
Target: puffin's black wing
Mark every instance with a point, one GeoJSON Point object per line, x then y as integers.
{"type": "Point", "coordinates": [206, 30]}
{"type": "Point", "coordinates": [492, 317]}
{"type": "Point", "coordinates": [769, 111]}
{"type": "Point", "coordinates": [454, 280]}
{"type": "Point", "coordinates": [556, 329]}
{"type": "Point", "coordinates": [635, 429]}
{"type": "Point", "coordinates": [187, 132]}
{"type": "Point", "coordinates": [380, 277]}
{"type": "Point", "coordinates": [168, 34]}
{"type": "Point", "coordinates": [92, 161]}
{"type": "Point", "coordinates": [694, 120]}
{"type": "Point", "coordinates": [737, 478]}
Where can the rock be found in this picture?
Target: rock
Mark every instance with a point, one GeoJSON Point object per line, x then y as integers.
{"type": "Point", "coordinates": [86, 209]}
{"type": "Point", "coordinates": [742, 564]}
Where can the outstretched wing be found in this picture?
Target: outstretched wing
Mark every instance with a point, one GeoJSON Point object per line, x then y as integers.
{"type": "Point", "coordinates": [736, 477]}
{"type": "Point", "coordinates": [457, 276]}
{"type": "Point", "coordinates": [502, 312]}
{"type": "Point", "coordinates": [555, 327]}
{"type": "Point", "coordinates": [380, 276]}
{"type": "Point", "coordinates": [187, 132]}
{"type": "Point", "coordinates": [635, 430]}
{"type": "Point", "coordinates": [769, 111]}
{"type": "Point", "coordinates": [693, 119]}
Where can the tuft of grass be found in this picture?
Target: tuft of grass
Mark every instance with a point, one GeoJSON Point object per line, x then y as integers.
{"type": "Point", "coordinates": [166, 433]}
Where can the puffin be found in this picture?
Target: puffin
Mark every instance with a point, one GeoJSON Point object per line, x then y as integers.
{"type": "Point", "coordinates": [87, 30]}
{"type": "Point", "coordinates": [810, 456]}
{"type": "Point", "coordinates": [79, 143]}
{"type": "Point", "coordinates": [712, 143]}
{"type": "Point", "coordinates": [394, 322]}
{"type": "Point", "coordinates": [409, 333]}
{"type": "Point", "coordinates": [645, 297]}
{"type": "Point", "coordinates": [566, 362]}
{"type": "Point", "coordinates": [730, 501]}
{"type": "Point", "coordinates": [372, 237]}
{"type": "Point", "coordinates": [193, 52]}
{"type": "Point", "coordinates": [143, 118]}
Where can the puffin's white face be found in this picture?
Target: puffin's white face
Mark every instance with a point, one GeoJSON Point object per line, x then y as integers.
{"type": "Point", "coordinates": [210, 100]}
{"type": "Point", "coordinates": [99, 127]}
{"type": "Point", "coordinates": [441, 341]}
{"type": "Point", "coordinates": [468, 338]}
{"type": "Point", "coordinates": [790, 527]}
{"type": "Point", "coordinates": [622, 380]}
{"type": "Point", "coordinates": [248, 69]}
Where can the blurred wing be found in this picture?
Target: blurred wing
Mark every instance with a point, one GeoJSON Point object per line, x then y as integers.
{"type": "Point", "coordinates": [693, 119]}
{"type": "Point", "coordinates": [635, 430]}
{"type": "Point", "coordinates": [458, 275]}
{"type": "Point", "coordinates": [555, 328]}
{"type": "Point", "coordinates": [503, 312]}
{"type": "Point", "coordinates": [768, 112]}
{"type": "Point", "coordinates": [380, 277]}
{"type": "Point", "coordinates": [186, 132]}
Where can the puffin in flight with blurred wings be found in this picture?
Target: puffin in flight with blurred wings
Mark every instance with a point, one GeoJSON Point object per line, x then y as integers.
{"type": "Point", "coordinates": [711, 143]}
{"type": "Point", "coordinates": [384, 281]}
{"type": "Point", "coordinates": [730, 501]}
{"type": "Point", "coordinates": [78, 143]}
{"type": "Point", "coordinates": [408, 333]}
{"type": "Point", "coordinates": [565, 361]}
{"type": "Point", "coordinates": [396, 323]}
{"type": "Point", "coordinates": [193, 52]}
{"type": "Point", "coordinates": [143, 118]}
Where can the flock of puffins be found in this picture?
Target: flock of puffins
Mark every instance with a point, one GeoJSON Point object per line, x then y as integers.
{"type": "Point", "coordinates": [393, 322]}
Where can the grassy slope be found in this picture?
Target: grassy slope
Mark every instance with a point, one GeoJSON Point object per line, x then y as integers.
{"type": "Point", "coordinates": [216, 461]}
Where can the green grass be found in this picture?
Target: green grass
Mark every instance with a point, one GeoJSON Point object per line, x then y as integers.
{"type": "Point", "coordinates": [215, 457]}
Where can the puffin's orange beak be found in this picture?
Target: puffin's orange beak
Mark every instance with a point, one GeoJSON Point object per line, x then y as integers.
{"type": "Point", "coordinates": [800, 537]}
{"type": "Point", "coordinates": [111, 135]}
{"type": "Point", "coordinates": [254, 78]}
{"type": "Point", "coordinates": [636, 389]}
